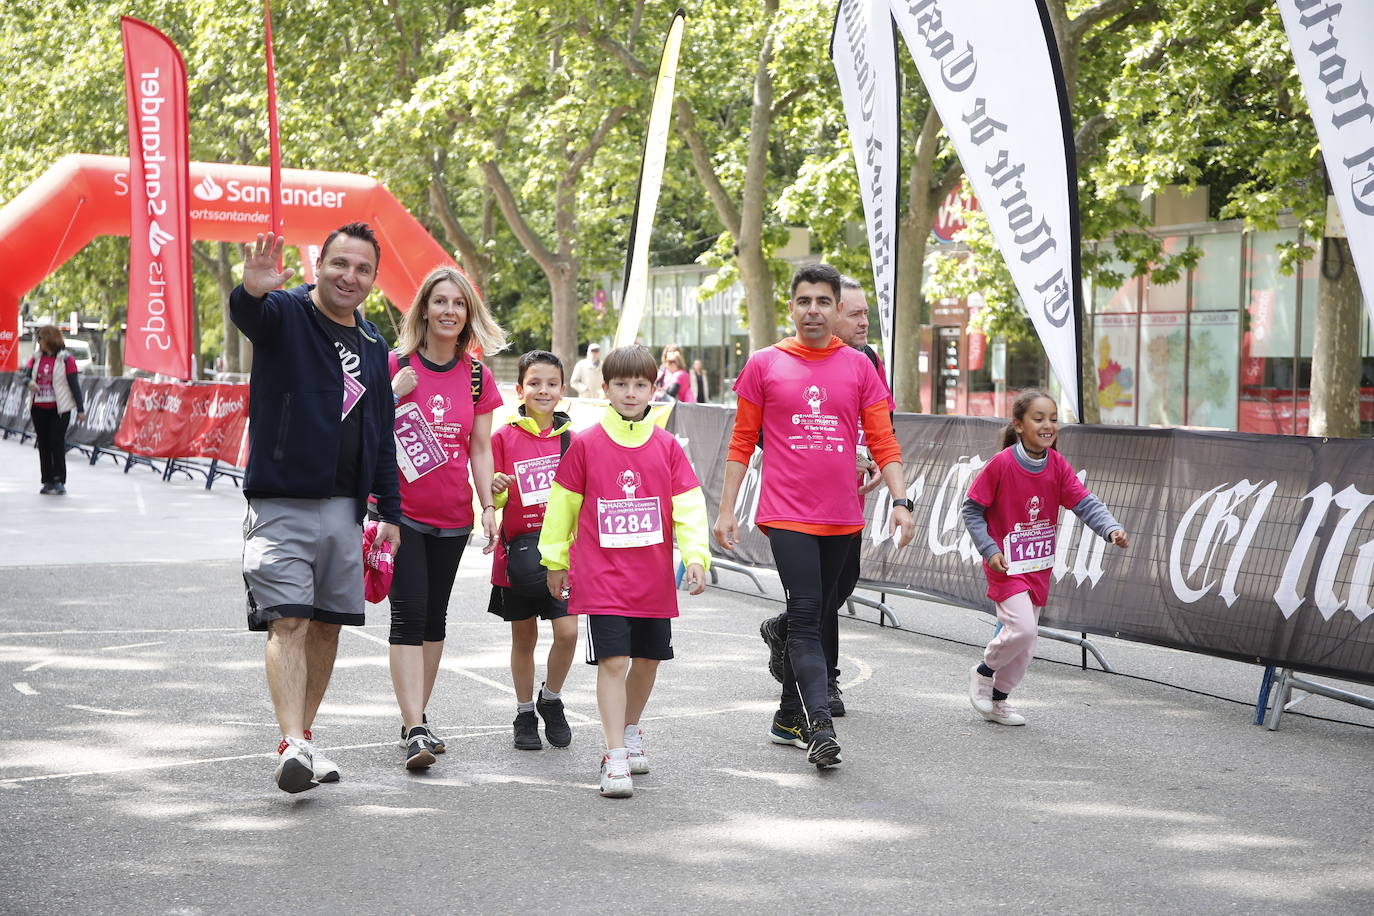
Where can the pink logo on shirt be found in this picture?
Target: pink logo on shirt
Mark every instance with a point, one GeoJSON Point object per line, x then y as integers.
{"type": "Point", "coordinates": [1033, 507]}
{"type": "Point", "coordinates": [815, 396]}
{"type": "Point", "coordinates": [438, 406]}
{"type": "Point", "coordinates": [628, 481]}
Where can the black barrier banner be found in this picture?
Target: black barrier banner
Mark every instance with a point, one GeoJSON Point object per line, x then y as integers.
{"type": "Point", "coordinates": [14, 405]}
{"type": "Point", "coordinates": [1253, 547]}
{"type": "Point", "coordinates": [106, 399]}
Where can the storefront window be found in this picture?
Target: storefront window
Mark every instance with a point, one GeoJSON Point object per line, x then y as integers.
{"type": "Point", "coordinates": [1213, 349]}
{"type": "Point", "coordinates": [1120, 298]}
{"type": "Point", "coordinates": [1115, 366]}
{"type": "Point", "coordinates": [1162, 346]}
{"type": "Point", "coordinates": [1171, 297]}
{"type": "Point", "coordinates": [1216, 279]}
{"type": "Point", "coordinates": [1268, 370]}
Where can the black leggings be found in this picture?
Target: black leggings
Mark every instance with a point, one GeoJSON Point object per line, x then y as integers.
{"type": "Point", "coordinates": [830, 610]}
{"type": "Point", "coordinates": [810, 567]}
{"type": "Point", "coordinates": [50, 429]}
{"type": "Point", "coordinates": [421, 583]}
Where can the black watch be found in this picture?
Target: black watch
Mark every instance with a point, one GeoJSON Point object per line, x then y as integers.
{"type": "Point", "coordinates": [906, 504]}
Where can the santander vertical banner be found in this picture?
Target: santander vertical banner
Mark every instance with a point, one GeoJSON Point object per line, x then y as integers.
{"type": "Point", "coordinates": [158, 336]}
{"type": "Point", "coordinates": [992, 70]}
{"type": "Point", "coordinates": [1333, 46]}
{"type": "Point", "coordinates": [864, 53]}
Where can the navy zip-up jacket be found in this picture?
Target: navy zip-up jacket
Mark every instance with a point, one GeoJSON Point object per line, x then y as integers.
{"type": "Point", "coordinates": [295, 396]}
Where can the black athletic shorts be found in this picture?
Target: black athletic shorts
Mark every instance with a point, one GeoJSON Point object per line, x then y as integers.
{"type": "Point", "coordinates": [637, 637]}
{"type": "Point", "coordinates": [510, 606]}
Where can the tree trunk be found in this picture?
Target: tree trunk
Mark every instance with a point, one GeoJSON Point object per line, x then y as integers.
{"type": "Point", "coordinates": [114, 348]}
{"type": "Point", "coordinates": [752, 259]}
{"type": "Point", "coordinates": [563, 288]}
{"type": "Point", "coordinates": [1336, 346]}
{"type": "Point", "coordinates": [1092, 410]}
{"type": "Point", "coordinates": [910, 308]}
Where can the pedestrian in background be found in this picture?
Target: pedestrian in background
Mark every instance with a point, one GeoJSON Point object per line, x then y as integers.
{"type": "Point", "coordinates": [54, 399]}
{"type": "Point", "coordinates": [586, 374]}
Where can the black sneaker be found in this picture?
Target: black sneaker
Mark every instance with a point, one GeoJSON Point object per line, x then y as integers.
{"type": "Point", "coordinates": [789, 728]}
{"type": "Point", "coordinates": [824, 750]}
{"type": "Point", "coordinates": [527, 732]}
{"type": "Point", "coordinates": [774, 633]}
{"type": "Point", "coordinates": [836, 701]}
{"type": "Point", "coordinates": [556, 727]}
{"type": "Point", "coordinates": [49, 489]}
{"type": "Point", "coordinates": [435, 740]}
{"type": "Point", "coordinates": [419, 749]}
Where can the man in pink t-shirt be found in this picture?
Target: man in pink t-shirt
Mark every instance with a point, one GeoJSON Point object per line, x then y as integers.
{"type": "Point", "coordinates": [809, 394]}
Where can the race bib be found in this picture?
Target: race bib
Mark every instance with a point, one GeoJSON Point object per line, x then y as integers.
{"type": "Point", "coordinates": [629, 522]}
{"type": "Point", "coordinates": [1030, 547]}
{"type": "Point", "coordinates": [417, 448]}
{"type": "Point", "coordinates": [534, 478]}
{"type": "Point", "coordinates": [353, 393]}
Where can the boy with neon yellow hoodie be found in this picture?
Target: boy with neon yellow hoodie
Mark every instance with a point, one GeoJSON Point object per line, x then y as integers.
{"type": "Point", "coordinates": [621, 487]}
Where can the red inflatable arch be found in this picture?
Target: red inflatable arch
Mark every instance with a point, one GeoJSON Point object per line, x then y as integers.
{"type": "Point", "coordinates": [82, 197]}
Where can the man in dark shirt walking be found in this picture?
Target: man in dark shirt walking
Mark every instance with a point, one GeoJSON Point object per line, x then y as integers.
{"type": "Point", "coordinates": [320, 421]}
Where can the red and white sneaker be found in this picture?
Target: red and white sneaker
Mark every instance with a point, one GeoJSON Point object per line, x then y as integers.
{"type": "Point", "coordinates": [634, 750]}
{"type": "Point", "coordinates": [615, 774]}
{"type": "Point", "coordinates": [326, 770]}
{"type": "Point", "coordinates": [296, 769]}
{"type": "Point", "coordinates": [1003, 713]}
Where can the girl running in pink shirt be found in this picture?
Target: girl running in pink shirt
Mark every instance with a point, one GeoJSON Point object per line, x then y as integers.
{"type": "Point", "coordinates": [1012, 514]}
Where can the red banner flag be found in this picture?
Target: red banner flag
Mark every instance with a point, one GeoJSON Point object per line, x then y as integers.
{"type": "Point", "coordinates": [158, 338]}
{"type": "Point", "coordinates": [273, 134]}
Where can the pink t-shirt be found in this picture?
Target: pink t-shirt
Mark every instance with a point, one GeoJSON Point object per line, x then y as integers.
{"type": "Point", "coordinates": [621, 561]}
{"type": "Point", "coordinates": [443, 497]}
{"type": "Point", "coordinates": [684, 385]}
{"type": "Point", "coordinates": [811, 415]}
{"type": "Point", "coordinates": [43, 367]}
{"type": "Point", "coordinates": [533, 461]}
{"type": "Point", "coordinates": [1025, 506]}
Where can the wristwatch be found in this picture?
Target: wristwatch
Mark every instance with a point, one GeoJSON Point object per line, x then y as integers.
{"type": "Point", "coordinates": [906, 504]}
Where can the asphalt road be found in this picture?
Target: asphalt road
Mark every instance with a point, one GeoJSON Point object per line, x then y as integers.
{"type": "Point", "coordinates": [137, 740]}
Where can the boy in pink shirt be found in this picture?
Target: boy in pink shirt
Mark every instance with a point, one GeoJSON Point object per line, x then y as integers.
{"type": "Point", "coordinates": [621, 488]}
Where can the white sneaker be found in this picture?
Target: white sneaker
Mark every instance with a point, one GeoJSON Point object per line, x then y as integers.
{"type": "Point", "coordinates": [1003, 713]}
{"type": "Point", "coordinates": [615, 775]}
{"type": "Point", "coordinates": [634, 748]}
{"type": "Point", "coordinates": [980, 691]}
{"type": "Point", "coordinates": [296, 768]}
{"type": "Point", "coordinates": [326, 770]}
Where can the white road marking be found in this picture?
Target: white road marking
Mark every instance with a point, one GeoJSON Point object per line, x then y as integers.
{"type": "Point", "coordinates": [43, 664]}
{"type": "Point", "coordinates": [104, 712]}
{"type": "Point", "coordinates": [473, 675]}
{"type": "Point", "coordinates": [132, 645]}
{"type": "Point", "coordinates": [123, 632]}
{"type": "Point", "coordinates": [24, 688]}
{"type": "Point", "coordinates": [476, 732]}
{"type": "Point", "coordinates": [138, 497]}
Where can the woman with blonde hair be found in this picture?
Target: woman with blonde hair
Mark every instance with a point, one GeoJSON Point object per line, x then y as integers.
{"type": "Point", "coordinates": [444, 401]}
{"type": "Point", "coordinates": [54, 399]}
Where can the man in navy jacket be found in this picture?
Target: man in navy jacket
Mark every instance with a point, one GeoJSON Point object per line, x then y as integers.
{"type": "Point", "coordinates": [320, 441]}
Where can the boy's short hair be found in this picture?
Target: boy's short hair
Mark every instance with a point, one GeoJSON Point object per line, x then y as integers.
{"type": "Point", "coordinates": [817, 273]}
{"type": "Point", "coordinates": [537, 356]}
{"type": "Point", "coordinates": [634, 361]}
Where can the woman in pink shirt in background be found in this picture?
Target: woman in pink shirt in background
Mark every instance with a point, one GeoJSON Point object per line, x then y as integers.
{"type": "Point", "coordinates": [1012, 514]}
{"type": "Point", "coordinates": [51, 375]}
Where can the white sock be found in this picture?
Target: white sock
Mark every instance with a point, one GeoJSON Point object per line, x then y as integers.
{"type": "Point", "coordinates": [634, 737]}
{"type": "Point", "coordinates": [548, 694]}
{"type": "Point", "coordinates": [525, 707]}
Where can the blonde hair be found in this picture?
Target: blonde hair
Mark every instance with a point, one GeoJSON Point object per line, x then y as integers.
{"type": "Point", "coordinates": [480, 329]}
{"type": "Point", "coordinates": [50, 334]}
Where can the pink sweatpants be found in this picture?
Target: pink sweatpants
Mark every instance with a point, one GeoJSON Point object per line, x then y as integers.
{"type": "Point", "coordinates": [1010, 652]}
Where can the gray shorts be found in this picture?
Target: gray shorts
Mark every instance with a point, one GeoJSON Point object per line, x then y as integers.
{"type": "Point", "coordinates": [303, 558]}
